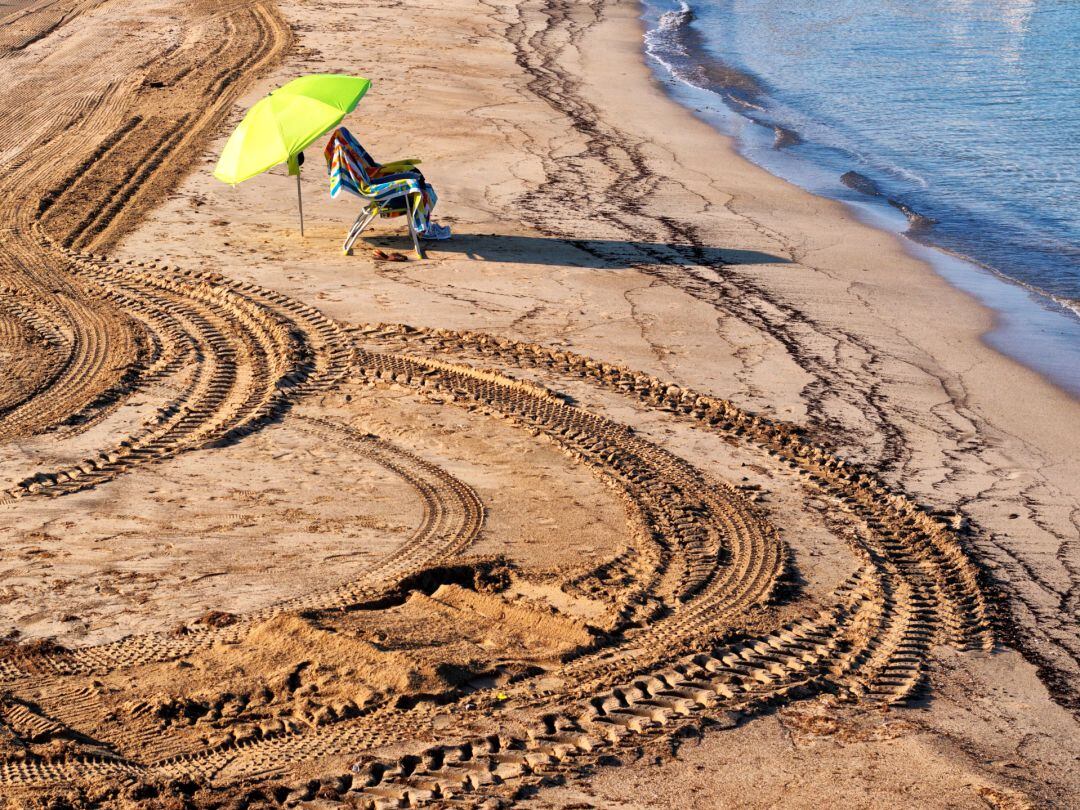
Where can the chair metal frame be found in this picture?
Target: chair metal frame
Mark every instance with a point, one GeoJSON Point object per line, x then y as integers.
{"type": "Point", "coordinates": [369, 182]}
{"type": "Point", "coordinates": [375, 208]}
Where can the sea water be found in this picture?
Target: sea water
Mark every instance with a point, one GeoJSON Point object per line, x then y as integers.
{"type": "Point", "coordinates": [956, 122]}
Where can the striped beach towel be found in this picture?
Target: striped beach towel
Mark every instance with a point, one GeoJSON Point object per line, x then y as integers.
{"type": "Point", "coordinates": [353, 170]}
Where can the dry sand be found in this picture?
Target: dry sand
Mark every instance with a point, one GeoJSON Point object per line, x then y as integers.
{"type": "Point", "coordinates": [578, 536]}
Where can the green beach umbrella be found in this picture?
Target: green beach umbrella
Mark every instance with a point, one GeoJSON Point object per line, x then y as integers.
{"type": "Point", "coordinates": [283, 123]}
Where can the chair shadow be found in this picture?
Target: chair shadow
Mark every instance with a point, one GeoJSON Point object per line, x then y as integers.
{"type": "Point", "coordinates": [593, 253]}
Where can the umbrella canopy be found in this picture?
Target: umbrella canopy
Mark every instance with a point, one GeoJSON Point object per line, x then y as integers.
{"type": "Point", "coordinates": [285, 121]}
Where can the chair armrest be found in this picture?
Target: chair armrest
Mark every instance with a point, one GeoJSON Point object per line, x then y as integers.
{"type": "Point", "coordinates": [394, 164]}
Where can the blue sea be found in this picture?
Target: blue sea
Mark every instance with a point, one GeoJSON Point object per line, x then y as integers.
{"type": "Point", "coordinates": [955, 122]}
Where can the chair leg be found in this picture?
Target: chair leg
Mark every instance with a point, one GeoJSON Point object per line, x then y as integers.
{"type": "Point", "coordinates": [412, 230]}
{"type": "Point", "coordinates": [362, 221]}
{"type": "Point", "coordinates": [352, 229]}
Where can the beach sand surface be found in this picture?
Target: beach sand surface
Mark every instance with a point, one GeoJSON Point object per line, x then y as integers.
{"type": "Point", "coordinates": [662, 484]}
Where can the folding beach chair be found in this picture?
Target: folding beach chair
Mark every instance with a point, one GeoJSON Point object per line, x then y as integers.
{"type": "Point", "coordinates": [391, 189]}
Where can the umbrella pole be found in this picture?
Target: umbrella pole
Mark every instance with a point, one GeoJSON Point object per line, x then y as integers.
{"type": "Point", "coordinates": [300, 201]}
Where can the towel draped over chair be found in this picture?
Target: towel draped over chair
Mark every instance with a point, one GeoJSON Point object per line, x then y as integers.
{"type": "Point", "coordinates": [391, 189]}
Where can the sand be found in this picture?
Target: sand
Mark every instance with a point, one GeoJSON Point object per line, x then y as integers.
{"type": "Point", "coordinates": [663, 483]}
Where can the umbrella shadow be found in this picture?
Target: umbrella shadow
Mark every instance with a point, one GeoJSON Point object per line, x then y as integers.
{"type": "Point", "coordinates": [604, 254]}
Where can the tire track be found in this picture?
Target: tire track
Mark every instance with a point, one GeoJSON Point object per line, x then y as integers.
{"type": "Point", "coordinates": [871, 643]}
{"type": "Point", "coordinates": [126, 155]}
{"type": "Point", "coordinates": [700, 565]}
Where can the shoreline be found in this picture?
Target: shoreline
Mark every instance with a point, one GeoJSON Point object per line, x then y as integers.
{"type": "Point", "coordinates": [1031, 326]}
{"type": "Point", "coordinates": [1043, 403]}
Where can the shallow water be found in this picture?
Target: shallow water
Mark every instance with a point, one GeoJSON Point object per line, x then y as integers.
{"type": "Point", "coordinates": [955, 120]}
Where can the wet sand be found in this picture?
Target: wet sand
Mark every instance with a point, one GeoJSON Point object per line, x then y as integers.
{"type": "Point", "coordinates": [580, 534]}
